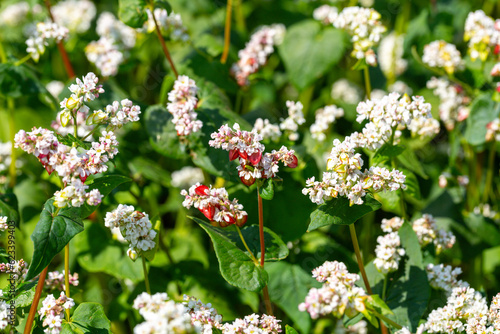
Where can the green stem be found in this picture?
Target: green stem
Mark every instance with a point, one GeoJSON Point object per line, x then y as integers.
{"type": "Point", "coordinates": [91, 132]}
{"type": "Point", "coordinates": [361, 266]}
{"type": "Point", "coordinates": [22, 60]}
{"type": "Point", "coordinates": [384, 289]}
{"type": "Point", "coordinates": [13, 155]}
{"type": "Point", "coordinates": [368, 86]}
{"type": "Point", "coordinates": [489, 173]}
{"type": "Point", "coordinates": [265, 292]}
{"type": "Point", "coordinates": [3, 55]}
{"type": "Point", "coordinates": [146, 279]}
{"type": "Point", "coordinates": [66, 276]}
{"type": "Point", "coordinates": [246, 246]}
{"type": "Point", "coordinates": [384, 318]}
{"type": "Point", "coordinates": [240, 19]}
{"type": "Point", "coordinates": [227, 31]}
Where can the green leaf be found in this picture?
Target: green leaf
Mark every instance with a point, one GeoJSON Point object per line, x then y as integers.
{"type": "Point", "coordinates": [162, 134]}
{"type": "Point", "coordinates": [235, 265]}
{"type": "Point", "coordinates": [482, 111]}
{"type": "Point", "coordinates": [69, 139]}
{"type": "Point", "coordinates": [391, 201]}
{"type": "Point", "coordinates": [132, 12]}
{"type": "Point", "coordinates": [9, 207]}
{"type": "Point", "coordinates": [88, 318]}
{"type": "Point", "coordinates": [266, 190]}
{"type": "Point", "coordinates": [25, 295]}
{"type": "Point", "coordinates": [106, 184]}
{"type": "Point", "coordinates": [17, 81]}
{"type": "Point", "coordinates": [386, 153]}
{"type": "Point", "coordinates": [163, 5]}
{"type": "Point", "coordinates": [290, 330]}
{"type": "Point", "coordinates": [338, 212]}
{"type": "Point", "coordinates": [484, 228]}
{"type": "Point", "coordinates": [52, 232]}
{"type": "Point", "coordinates": [288, 287]}
{"type": "Point", "coordinates": [276, 249]}
{"type": "Point", "coordinates": [97, 252]}
{"type": "Point", "coordinates": [409, 160]}
{"type": "Point", "coordinates": [412, 186]}
{"type": "Point", "coordinates": [310, 51]}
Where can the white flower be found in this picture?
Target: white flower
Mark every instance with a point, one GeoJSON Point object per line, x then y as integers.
{"type": "Point", "coordinates": [444, 277]}
{"type": "Point", "coordinates": [170, 24]}
{"type": "Point", "coordinates": [390, 55]}
{"type": "Point", "coordinates": [45, 32]}
{"type": "Point", "coordinates": [267, 130]}
{"type": "Point", "coordinates": [182, 103]}
{"type": "Point", "coordinates": [324, 117]}
{"type": "Point", "coordinates": [443, 55]}
{"type": "Point", "coordinates": [294, 119]}
{"type": "Point", "coordinates": [346, 91]}
{"type": "Point", "coordinates": [482, 33]}
{"type": "Point", "coordinates": [76, 15]}
{"type": "Point", "coordinates": [388, 253]}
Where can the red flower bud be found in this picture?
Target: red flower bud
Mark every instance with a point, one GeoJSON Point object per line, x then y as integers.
{"type": "Point", "coordinates": [243, 155]}
{"type": "Point", "coordinates": [209, 212]}
{"type": "Point", "coordinates": [241, 221]}
{"type": "Point", "coordinates": [294, 162]}
{"type": "Point", "coordinates": [233, 154]}
{"type": "Point", "coordinates": [201, 190]}
{"type": "Point", "coordinates": [247, 182]}
{"type": "Point", "coordinates": [255, 157]}
{"type": "Point", "coordinates": [497, 49]}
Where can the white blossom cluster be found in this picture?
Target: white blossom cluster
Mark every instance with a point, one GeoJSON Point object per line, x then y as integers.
{"type": "Point", "coordinates": [18, 269]}
{"type": "Point", "coordinates": [391, 225]}
{"type": "Point", "coordinates": [391, 114]}
{"type": "Point", "coordinates": [254, 162]}
{"type": "Point", "coordinates": [134, 226]}
{"type": "Point", "coordinates": [76, 15]}
{"type": "Point", "coordinates": [3, 223]}
{"type": "Point", "coordinates": [403, 330]}
{"type": "Point", "coordinates": [182, 104]}
{"type": "Point", "coordinates": [42, 35]}
{"type": "Point", "coordinates": [266, 129]}
{"type": "Point", "coordinates": [486, 210]}
{"type": "Point", "coordinates": [346, 91]}
{"type": "Point", "coordinates": [294, 119]}
{"type": "Point", "coordinates": [493, 130]}
{"type": "Point", "coordinates": [215, 205]}
{"type": "Point", "coordinates": [466, 311]}
{"type": "Point", "coordinates": [453, 101]}
{"type": "Point", "coordinates": [4, 313]}
{"type": "Point", "coordinates": [107, 53]}
{"type": "Point", "coordinates": [482, 33]}
{"type": "Point", "coordinates": [186, 176]}
{"type": "Point", "coordinates": [323, 118]}
{"type": "Point", "coordinates": [441, 54]}
{"type": "Point", "coordinates": [264, 324]}
{"type": "Point", "coordinates": [15, 13]}
{"type": "Point", "coordinates": [55, 280]}
{"type": "Point", "coordinates": [444, 277]}
{"type": "Point", "coordinates": [117, 114]}
{"type": "Point", "coordinates": [363, 24]}
{"type": "Point", "coordinates": [203, 316]}
{"type": "Point", "coordinates": [55, 87]}
{"type": "Point", "coordinates": [337, 296]}
{"type": "Point", "coordinates": [390, 55]}
{"type": "Point", "coordinates": [5, 153]}
{"type": "Point", "coordinates": [256, 51]}
{"type": "Point", "coordinates": [170, 24]}
{"type": "Point", "coordinates": [388, 253]}
{"type": "Point", "coordinates": [400, 87]}
{"type": "Point", "coordinates": [347, 179]}
{"type": "Point", "coordinates": [428, 232]}
{"type": "Point", "coordinates": [52, 312]}
{"type": "Point", "coordinates": [359, 328]}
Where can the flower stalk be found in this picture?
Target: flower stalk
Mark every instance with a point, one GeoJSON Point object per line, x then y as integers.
{"type": "Point", "coordinates": [227, 32]}
{"type": "Point", "coordinates": [36, 299]}
{"type": "Point", "coordinates": [146, 279]}
{"type": "Point", "coordinates": [164, 45]}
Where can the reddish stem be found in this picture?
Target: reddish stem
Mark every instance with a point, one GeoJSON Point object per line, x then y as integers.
{"type": "Point", "coordinates": [36, 299]}
{"type": "Point", "coordinates": [164, 46]}
{"type": "Point", "coordinates": [261, 231]}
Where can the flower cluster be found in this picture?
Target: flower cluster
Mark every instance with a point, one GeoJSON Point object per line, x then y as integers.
{"type": "Point", "coordinates": [294, 119]}
{"type": "Point", "coordinates": [444, 277]}
{"type": "Point", "coordinates": [256, 51]}
{"type": "Point", "coordinates": [359, 328]}
{"type": "Point", "coordinates": [428, 232]}
{"type": "Point", "coordinates": [391, 225]}
{"type": "Point", "coordinates": [5, 154]}
{"type": "Point", "coordinates": [215, 205]}
{"type": "Point", "coordinates": [388, 116]}
{"type": "Point", "coordinates": [203, 316]}
{"type": "Point", "coordinates": [76, 15]}
{"type": "Point", "coordinates": [55, 280]}
{"type": "Point", "coordinates": [14, 14]}
{"type": "Point", "coordinates": [4, 313]}
{"type": "Point", "coordinates": [134, 226]}
{"type": "Point", "coordinates": [338, 296]}
{"type": "Point", "coordinates": [3, 223]}
{"type": "Point", "coordinates": [466, 311]}
{"type": "Point", "coordinates": [323, 118]}
{"type": "Point", "coordinates": [117, 114]}
{"type": "Point", "coordinates": [482, 33]}
{"type": "Point", "coordinates": [44, 32]}
{"type": "Point", "coordinates": [107, 53]}
{"type": "Point", "coordinates": [264, 324]}
{"type": "Point", "coordinates": [18, 269]}
{"type": "Point", "coordinates": [346, 91]}
{"type": "Point", "coordinates": [346, 178]}
{"type": "Point", "coordinates": [486, 210]}
{"type": "Point", "coordinates": [170, 24]}
{"type": "Point", "coordinates": [52, 312]}
{"type": "Point", "coordinates": [388, 253]}
{"type": "Point", "coordinates": [182, 104]}
{"type": "Point", "coordinates": [81, 121]}
{"type": "Point", "coordinates": [444, 55]}
{"type": "Point", "coordinates": [363, 24]}
{"type": "Point", "coordinates": [187, 176]}
{"type": "Point", "coordinates": [390, 55]}
{"type": "Point", "coordinates": [254, 163]}
{"type": "Point", "coordinates": [453, 106]}
{"type": "Point", "coordinates": [266, 129]}
{"type": "Point", "coordinates": [493, 130]}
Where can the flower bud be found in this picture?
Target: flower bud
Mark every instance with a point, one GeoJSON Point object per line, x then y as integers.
{"type": "Point", "coordinates": [72, 103]}
{"type": "Point", "coordinates": [132, 254]}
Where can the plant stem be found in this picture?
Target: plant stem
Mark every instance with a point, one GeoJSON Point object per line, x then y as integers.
{"type": "Point", "coordinates": [164, 46]}
{"type": "Point", "coordinates": [3, 56]}
{"type": "Point", "coordinates": [265, 291]}
{"type": "Point", "coordinates": [384, 318]}
{"type": "Point", "coordinates": [227, 32]}
{"type": "Point", "coordinates": [146, 279]}
{"type": "Point", "coordinates": [368, 86]}
{"type": "Point", "coordinates": [246, 246]}
{"type": "Point", "coordinates": [358, 258]}
{"type": "Point", "coordinates": [91, 132]}
{"type": "Point", "coordinates": [12, 131]}
{"type": "Point", "coordinates": [22, 60]}
{"type": "Point", "coordinates": [60, 46]}
{"type": "Point", "coordinates": [384, 289]}
{"type": "Point", "coordinates": [267, 301]}
{"type": "Point", "coordinates": [36, 299]}
{"type": "Point", "coordinates": [489, 173]}
{"type": "Point", "coordinates": [66, 275]}
{"type": "Point", "coordinates": [240, 19]}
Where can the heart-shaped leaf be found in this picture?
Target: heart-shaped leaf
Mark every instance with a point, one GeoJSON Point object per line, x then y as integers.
{"type": "Point", "coordinates": [88, 318]}
{"type": "Point", "coordinates": [266, 190]}
{"type": "Point", "coordinates": [132, 12]}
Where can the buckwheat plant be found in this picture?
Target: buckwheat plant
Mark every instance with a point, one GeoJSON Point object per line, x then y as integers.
{"type": "Point", "coordinates": [183, 102]}
{"type": "Point", "coordinates": [256, 51]}
{"type": "Point", "coordinates": [444, 277]}
{"type": "Point", "coordinates": [3, 223]}
{"type": "Point", "coordinates": [267, 130]}
{"type": "Point", "coordinates": [45, 32]}
{"type": "Point", "coordinates": [493, 130]}
{"type": "Point", "coordinates": [55, 280]}
{"type": "Point", "coordinates": [482, 33]}
{"type": "Point", "coordinates": [294, 119]}
{"type": "Point", "coordinates": [324, 117]}
{"type": "Point", "coordinates": [76, 15]}
{"type": "Point", "coordinates": [170, 24]}
{"type": "Point", "coordinates": [52, 312]}
{"type": "Point", "coordinates": [388, 253]}
{"type": "Point", "coordinates": [440, 54]}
